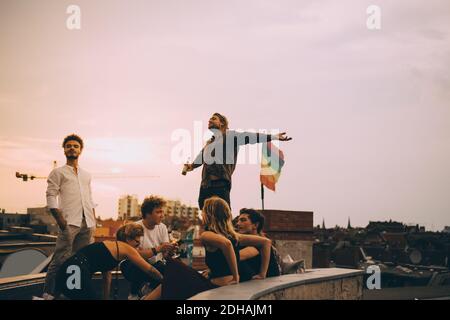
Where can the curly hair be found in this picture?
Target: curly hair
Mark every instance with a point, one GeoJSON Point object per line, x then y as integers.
{"type": "Point", "coordinates": [129, 231]}
{"type": "Point", "coordinates": [150, 203]}
{"type": "Point", "coordinates": [73, 137]}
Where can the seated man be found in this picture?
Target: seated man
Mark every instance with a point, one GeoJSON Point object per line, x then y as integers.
{"type": "Point", "coordinates": [251, 221]}
{"type": "Point", "coordinates": [154, 247]}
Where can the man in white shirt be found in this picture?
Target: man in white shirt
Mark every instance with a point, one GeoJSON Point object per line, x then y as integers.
{"type": "Point", "coordinates": [154, 246]}
{"type": "Point", "coordinates": [69, 199]}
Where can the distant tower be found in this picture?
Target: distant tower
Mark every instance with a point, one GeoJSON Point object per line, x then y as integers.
{"type": "Point", "coordinates": [55, 164]}
{"type": "Point", "coordinates": [323, 224]}
{"type": "Point", "coordinates": [349, 226]}
{"type": "Point", "coordinates": [128, 207]}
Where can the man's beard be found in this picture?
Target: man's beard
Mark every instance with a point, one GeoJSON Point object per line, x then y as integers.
{"type": "Point", "coordinates": [72, 157]}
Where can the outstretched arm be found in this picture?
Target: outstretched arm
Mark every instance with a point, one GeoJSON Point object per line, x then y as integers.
{"type": "Point", "coordinates": [242, 138]}
{"type": "Point", "coordinates": [282, 137]}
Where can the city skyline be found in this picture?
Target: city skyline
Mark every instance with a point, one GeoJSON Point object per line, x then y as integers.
{"type": "Point", "coordinates": [367, 109]}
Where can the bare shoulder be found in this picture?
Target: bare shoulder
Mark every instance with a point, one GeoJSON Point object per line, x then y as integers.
{"type": "Point", "coordinates": [209, 235]}
{"type": "Point", "coordinates": [112, 246]}
{"type": "Point", "coordinates": [206, 233]}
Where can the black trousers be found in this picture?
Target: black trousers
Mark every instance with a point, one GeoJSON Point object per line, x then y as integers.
{"type": "Point", "coordinates": [137, 277]}
{"type": "Point", "coordinates": [220, 188]}
{"type": "Point", "coordinates": [182, 282]}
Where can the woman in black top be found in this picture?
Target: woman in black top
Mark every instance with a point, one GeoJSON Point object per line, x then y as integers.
{"type": "Point", "coordinates": [222, 257]}
{"type": "Point", "coordinates": [74, 278]}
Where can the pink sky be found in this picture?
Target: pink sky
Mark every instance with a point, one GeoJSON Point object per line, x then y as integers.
{"type": "Point", "coordinates": [368, 110]}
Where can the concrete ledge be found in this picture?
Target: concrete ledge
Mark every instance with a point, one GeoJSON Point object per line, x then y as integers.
{"type": "Point", "coordinates": [315, 284]}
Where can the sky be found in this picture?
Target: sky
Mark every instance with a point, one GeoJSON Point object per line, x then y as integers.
{"type": "Point", "coordinates": [368, 110]}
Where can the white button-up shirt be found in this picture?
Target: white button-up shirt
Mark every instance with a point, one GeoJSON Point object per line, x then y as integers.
{"type": "Point", "coordinates": [74, 193]}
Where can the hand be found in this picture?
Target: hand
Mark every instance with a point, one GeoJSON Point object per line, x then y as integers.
{"type": "Point", "coordinates": [171, 253]}
{"type": "Point", "coordinates": [233, 281]}
{"type": "Point", "coordinates": [189, 167]}
{"type": "Point", "coordinates": [259, 277]}
{"type": "Point", "coordinates": [157, 275]}
{"type": "Point", "coordinates": [59, 218]}
{"type": "Point", "coordinates": [282, 137]}
{"type": "Point", "coordinates": [166, 247]}
{"type": "Point", "coordinates": [62, 223]}
{"type": "Point", "coordinates": [206, 274]}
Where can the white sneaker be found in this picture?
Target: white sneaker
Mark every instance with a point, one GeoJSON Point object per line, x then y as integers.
{"type": "Point", "coordinates": [45, 296]}
{"type": "Point", "coordinates": [289, 266]}
{"type": "Point", "coordinates": [133, 297]}
{"type": "Point", "coordinates": [48, 296]}
{"type": "Point", "coordinates": [145, 290]}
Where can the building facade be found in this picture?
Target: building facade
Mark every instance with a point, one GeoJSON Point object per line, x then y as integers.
{"type": "Point", "coordinates": [128, 207]}
{"type": "Point", "coordinates": [178, 209]}
{"type": "Point", "coordinates": [12, 219]}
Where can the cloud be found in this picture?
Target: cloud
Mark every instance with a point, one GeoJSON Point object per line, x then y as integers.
{"type": "Point", "coordinates": [26, 153]}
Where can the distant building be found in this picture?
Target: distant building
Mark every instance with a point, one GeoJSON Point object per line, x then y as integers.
{"type": "Point", "coordinates": [388, 226]}
{"type": "Point", "coordinates": [8, 220]}
{"type": "Point", "coordinates": [291, 232]}
{"type": "Point", "coordinates": [106, 229]}
{"type": "Point", "coordinates": [394, 240]}
{"type": "Point", "coordinates": [38, 219]}
{"type": "Point", "coordinates": [178, 209]}
{"type": "Point", "coordinates": [446, 229]}
{"type": "Point", "coordinates": [128, 207]}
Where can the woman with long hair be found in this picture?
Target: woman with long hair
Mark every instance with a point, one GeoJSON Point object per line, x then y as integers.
{"type": "Point", "coordinates": [74, 278]}
{"type": "Point", "coordinates": [222, 256]}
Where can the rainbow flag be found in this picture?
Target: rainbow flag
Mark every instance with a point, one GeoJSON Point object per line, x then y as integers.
{"type": "Point", "coordinates": [271, 163]}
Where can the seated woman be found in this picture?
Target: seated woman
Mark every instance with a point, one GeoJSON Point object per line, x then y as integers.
{"type": "Point", "coordinates": [74, 278]}
{"type": "Point", "coordinates": [222, 257]}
